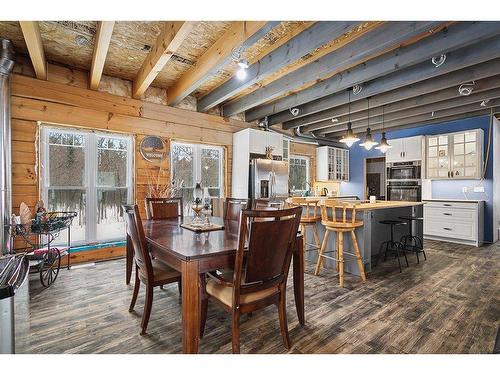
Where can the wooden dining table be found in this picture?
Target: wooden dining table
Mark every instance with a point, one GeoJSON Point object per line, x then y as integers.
{"type": "Point", "coordinates": [194, 254]}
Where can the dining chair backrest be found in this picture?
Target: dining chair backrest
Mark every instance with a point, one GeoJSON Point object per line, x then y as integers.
{"type": "Point", "coordinates": [163, 208]}
{"type": "Point", "coordinates": [334, 212]}
{"type": "Point", "coordinates": [135, 231]}
{"type": "Point", "coordinates": [265, 241]}
{"type": "Point", "coordinates": [307, 204]}
{"type": "Point", "coordinates": [233, 208]}
{"type": "Point", "coordinates": [266, 204]}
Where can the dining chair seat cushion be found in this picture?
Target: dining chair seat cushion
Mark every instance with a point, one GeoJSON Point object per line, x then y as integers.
{"type": "Point", "coordinates": [224, 293]}
{"type": "Point", "coordinates": [161, 271]}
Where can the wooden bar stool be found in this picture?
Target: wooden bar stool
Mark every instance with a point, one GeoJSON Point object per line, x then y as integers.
{"type": "Point", "coordinates": [310, 217]}
{"type": "Point", "coordinates": [345, 223]}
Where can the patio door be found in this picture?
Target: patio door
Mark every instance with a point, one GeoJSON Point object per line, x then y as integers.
{"type": "Point", "coordinates": [90, 173]}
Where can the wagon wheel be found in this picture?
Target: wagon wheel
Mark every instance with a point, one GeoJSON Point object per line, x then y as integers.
{"type": "Point", "coordinates": [49, 268]}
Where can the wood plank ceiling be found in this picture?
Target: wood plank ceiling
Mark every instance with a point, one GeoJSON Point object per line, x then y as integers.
{"type": "Point", "coordinates": [406, 73]}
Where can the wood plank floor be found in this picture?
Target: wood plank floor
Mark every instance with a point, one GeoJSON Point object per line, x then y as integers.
{"type": "Point", "coordinates": [447, 304]}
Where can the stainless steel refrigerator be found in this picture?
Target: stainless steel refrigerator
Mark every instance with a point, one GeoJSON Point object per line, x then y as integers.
{"type": "Point", "coordinates": [268, 179]}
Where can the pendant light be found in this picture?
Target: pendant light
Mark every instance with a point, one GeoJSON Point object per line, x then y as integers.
{"type": "Point", "coordinates": [384, 145]}
{"type": "Point", "coordinates": [349, 138]}
{"type": "Point", "coordinates": [369, 142]}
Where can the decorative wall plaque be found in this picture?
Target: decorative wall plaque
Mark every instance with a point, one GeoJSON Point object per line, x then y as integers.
{"type": "Point", "coordinates": [153, 149]}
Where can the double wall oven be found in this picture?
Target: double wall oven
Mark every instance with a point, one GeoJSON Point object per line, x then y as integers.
{"type": "Point", "coordinates": [404, 181]}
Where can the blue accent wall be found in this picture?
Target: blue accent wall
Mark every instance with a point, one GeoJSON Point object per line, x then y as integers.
{"type": "Point", "coordinates": [440, 188]}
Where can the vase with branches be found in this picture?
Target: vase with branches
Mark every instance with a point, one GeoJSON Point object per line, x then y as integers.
{"type": "Point", "coordinates": [156, 188]}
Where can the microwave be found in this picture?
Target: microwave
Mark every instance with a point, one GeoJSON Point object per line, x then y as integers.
{"type": "Point", "coordinates": [404, 171]}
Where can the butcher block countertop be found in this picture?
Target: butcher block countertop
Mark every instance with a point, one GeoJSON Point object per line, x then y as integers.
{"type": "Point", "coordinates": [366, 205]}
{"type": "Point", "coordinates": [380, 205]}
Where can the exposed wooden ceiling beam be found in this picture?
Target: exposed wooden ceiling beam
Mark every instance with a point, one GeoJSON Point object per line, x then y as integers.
{"type": "Point", "coordinates": [460, 102]}
{"type": "Point", "coordinates": [33, 40]}
{"type": "Point", "coordinates": [101, 45]}
{"type": "Point", "coordinates": [382, 39]}
{"type": "Point", "coordinates": [455, 37]}
{"type": "Point", "coordinates": [167, 43]}
{"type": "Point", "coordinates": [418, 101]}
{"type": "Point", "coordinates": [241, 34]}
{"type": "Point", "coordinates": [444, 81]}
{"type": "Point", "coordinates": [417, 119]}
{"type": "Point", "coordinates": [306, 42]}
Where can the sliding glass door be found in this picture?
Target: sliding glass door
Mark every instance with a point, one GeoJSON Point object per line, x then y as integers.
{"type": "Point", "coordinates": [90, 173]}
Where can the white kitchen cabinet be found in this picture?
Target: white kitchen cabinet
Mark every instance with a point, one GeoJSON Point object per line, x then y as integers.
{"type": "Point", "coordinates": [405, 149]}
{"type": "Point", "coordinates": [259, 140]}
{"type": "Point", "coordinates": [455, 155]}
{"type": "Point", "coordinates": [332, 164]}
{"type": "Point", "coordinates": [247, 142]}
{"type": "Point", "coordinates": [454, 221]}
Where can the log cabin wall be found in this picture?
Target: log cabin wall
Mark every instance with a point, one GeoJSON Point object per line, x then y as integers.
{"type": "Point", "coordinates": [36, 101]}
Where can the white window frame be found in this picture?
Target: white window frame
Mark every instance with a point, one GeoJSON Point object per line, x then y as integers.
{"type": "Point", "coordinates": [197, 147]}
{"type": "Point", "coordinates": [307, 160]}
{"type": "Point", "coordinates": [90, 175]}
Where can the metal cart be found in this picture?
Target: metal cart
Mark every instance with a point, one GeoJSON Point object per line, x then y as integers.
{"type": "Point", "coordinates": [44, 258]}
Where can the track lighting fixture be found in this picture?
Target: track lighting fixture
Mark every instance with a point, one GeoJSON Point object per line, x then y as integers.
{"type": "Point", "coordinates": [241, 73]}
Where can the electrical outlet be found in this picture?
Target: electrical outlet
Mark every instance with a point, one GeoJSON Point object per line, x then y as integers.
{"type": "Point", "coordinates": [464, 189]}
{"type": "Point", "coordinates": [478, 189]}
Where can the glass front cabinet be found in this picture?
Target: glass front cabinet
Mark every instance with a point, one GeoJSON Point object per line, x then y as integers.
{"type": "Point", "coordinates": [332, 164]}
{"type": "Point", "coordinates": [455, 155]}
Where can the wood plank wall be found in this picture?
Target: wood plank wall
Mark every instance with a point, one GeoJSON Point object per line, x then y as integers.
{"type": "Point", "coordinates": [34, 101]}
{"type": "Point", "coordinates": [65, 100]}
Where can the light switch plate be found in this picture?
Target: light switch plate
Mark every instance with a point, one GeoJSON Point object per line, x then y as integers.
{"type": "Point", "coordinates": [478, 189]}
{"type": "Point", "coordinates": [464, 189]}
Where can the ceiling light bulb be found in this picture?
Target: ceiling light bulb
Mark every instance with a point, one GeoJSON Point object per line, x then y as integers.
{"type": "Point", "coordinates": [241, 74]}
{"type": "Point", "coordinates": [369, 142]}
{"type": "Point", "coordinates": [384, 145]}
{"type": "Point", "coordinates": [350, 138]}
{"type": "Point", "coordinates": [243, 64]}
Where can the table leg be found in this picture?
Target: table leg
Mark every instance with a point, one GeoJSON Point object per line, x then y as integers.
{"type": "Point", "coordinates": [298, 279]}
{"type": "Point", "coordinates": [190, 306]}
{"type": "Point", "coordinates": [129, 259]}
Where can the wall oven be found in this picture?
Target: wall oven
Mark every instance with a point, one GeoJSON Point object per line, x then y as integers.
{"type": "Point", "coordinates": [406, 170]}
{"type": "Point", "coordinates": [404, 191]}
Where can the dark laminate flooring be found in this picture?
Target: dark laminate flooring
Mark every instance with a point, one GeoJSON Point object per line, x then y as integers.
{"type": "Point", "coordinates": [447, 304]}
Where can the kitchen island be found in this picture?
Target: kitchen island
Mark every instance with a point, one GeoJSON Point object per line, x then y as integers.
{"type": "Point", "coordinates": [372, 233]}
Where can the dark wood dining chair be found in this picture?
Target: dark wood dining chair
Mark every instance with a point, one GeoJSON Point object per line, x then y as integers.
{"type": "Point", "coordinates": [260, 270]}
{"type": "Point", "coordinates": [233, 207]}
{"type": "Point", "coordinates": [266, 204]}
{"type": "Point", "coordinates": [151, 272]}
{"type": "Point", "coordinates": [163, 208]}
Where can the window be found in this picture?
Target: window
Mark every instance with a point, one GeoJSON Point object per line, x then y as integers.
{"type": "Point", "coordinates": [192, 163]}
{"type": "Point", "coordinates": [298, 173]}
{"type": "Point", "coordinates": [90, 173]}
